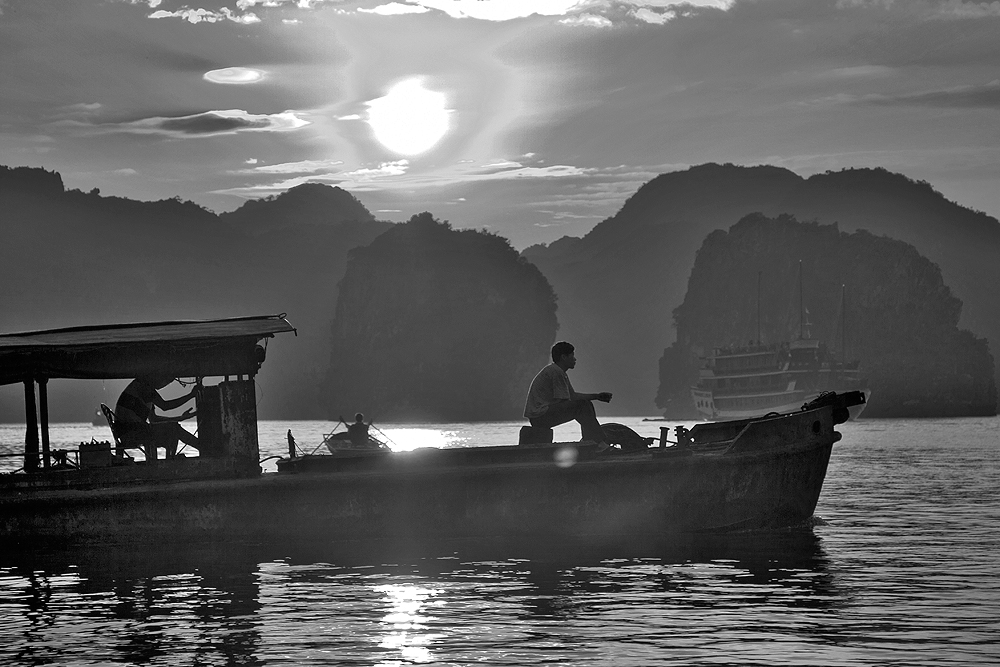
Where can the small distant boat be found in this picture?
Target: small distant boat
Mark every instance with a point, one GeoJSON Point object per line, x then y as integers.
{"type": "Point", "coordinates": [341, 443]}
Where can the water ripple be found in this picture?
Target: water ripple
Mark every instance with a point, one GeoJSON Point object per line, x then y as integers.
{"type": "Point", "coordinates": [901, 570]}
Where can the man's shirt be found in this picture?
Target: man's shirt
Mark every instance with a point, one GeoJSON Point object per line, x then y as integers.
{"type": "Point", "coordinates": [135, 404]}
{"type": "Point", "coordinates": [550, 385]}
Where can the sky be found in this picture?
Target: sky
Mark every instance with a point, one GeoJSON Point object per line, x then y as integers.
{"type": "Point", "coordinates": [533, 119]}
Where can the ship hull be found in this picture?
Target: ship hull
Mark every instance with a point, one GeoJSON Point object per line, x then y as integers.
{"type": "Point", "coordinates": [782, 403]}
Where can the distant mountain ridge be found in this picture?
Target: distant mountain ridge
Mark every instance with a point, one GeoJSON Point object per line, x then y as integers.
{"type": "Point", "coordinates": [619, 284]}
{"type": "Point", "coordinates": [72, 258]}
{"type": "Point", "coordinates": [306, 204]}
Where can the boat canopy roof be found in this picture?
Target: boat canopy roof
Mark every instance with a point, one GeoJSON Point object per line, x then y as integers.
{"type": "Point", "coordinates": [192, 348]}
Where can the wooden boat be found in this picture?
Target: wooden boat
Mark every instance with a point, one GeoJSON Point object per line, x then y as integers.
{"type": "Point", "coordinates": [340, 443]}
{"type": "Point", "coordinates": [755, 473]}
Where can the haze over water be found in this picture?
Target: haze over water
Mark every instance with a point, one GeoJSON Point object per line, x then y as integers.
{"type": "Point", "coordinates": [901, 569]}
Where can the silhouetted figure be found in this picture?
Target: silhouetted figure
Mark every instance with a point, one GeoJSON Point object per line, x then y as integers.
{"type": "Point", "coordinates": [137, 422]}
{"type": "Point", "coordinates": [552, 400]}
{"type": "Point", "coordinates": [359, 431]}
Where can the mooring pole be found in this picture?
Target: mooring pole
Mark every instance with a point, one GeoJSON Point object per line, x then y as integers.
{"type": "Point", "coordinates": [31, 427]}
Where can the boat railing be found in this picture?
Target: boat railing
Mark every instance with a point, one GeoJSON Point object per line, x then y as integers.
{"type": "Point", "coordinates": [93, 454]}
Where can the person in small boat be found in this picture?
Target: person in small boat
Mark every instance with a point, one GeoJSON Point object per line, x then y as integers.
{"type": "Point", "coordinates": [358, 431]}
{"type": "Point", "coordinates": [137, 422]}
{"type": "Point", "coordinates": [552, 400]}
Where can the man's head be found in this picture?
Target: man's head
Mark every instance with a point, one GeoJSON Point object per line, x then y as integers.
{"type": "Point", "coordinates": [564, 355]}
{"type": "Point", "coordinates": [359, 417]}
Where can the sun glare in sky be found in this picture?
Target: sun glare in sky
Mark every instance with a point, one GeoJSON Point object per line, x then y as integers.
{"type": "Point", "coordinates": [234, 75]}
{"type": "Point", "coordinates": [409, 119]}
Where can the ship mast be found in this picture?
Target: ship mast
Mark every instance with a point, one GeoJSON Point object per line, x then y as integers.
{"type": "Point", "coordinates": [843, 324]}
{"type": "Point", "coordinates": [800, 301]}
{"type": "Point", "coordinates": [758, 306]}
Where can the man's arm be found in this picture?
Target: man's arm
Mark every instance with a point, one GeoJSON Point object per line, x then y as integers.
{"type": "Point", "coordinates": [170, 404]}
{"type": "Point", "coordinates": [574, 395]}
{"type": "Point", "coordinates": [604, 396]}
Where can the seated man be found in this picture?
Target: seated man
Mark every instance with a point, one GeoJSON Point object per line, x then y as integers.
{"type": "Point", "coordinates": [137, 422]}
{"type": "Point", "coordinates": [359, 431]}
{"type": "Point", "coordinates": [553, 401]}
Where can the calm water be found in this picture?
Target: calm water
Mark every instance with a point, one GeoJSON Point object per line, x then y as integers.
{"type": "Point", "coordinates": [902, 569]}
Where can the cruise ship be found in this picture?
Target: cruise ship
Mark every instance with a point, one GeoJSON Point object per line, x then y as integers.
{"type": "Point", "coordinates": [753, 380]}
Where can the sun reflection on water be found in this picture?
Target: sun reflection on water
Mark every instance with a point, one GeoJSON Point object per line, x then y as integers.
{"type": "Point", "coordinates": [408, 439]}
{"type": "Point", "coordinates": [405, 624]}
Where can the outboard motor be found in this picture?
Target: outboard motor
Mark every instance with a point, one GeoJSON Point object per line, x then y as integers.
{"type": "Point", "coordinates": [840, 403]}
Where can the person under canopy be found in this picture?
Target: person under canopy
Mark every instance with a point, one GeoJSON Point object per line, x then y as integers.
{"type": "Point", "coordinates": [138, 424]}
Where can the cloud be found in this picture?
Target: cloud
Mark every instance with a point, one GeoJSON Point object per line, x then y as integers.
{"type": "Point", "coordinates": [395, 175]}
{"type": "Point", "coordinates": [395, 9]}
{"type": "Point", "coordinates": [202, 15]}
{"type": "Point", "coordinates": [514, 170]}
{"type": "Point", "coordinates": [931, 9]}
{"type": "Point", "coordinates": [956, 9]}
{"type": "Point", "coordinates": [235, 75]}
{"type": "Point", "coordinates": [507, 10]}
{"type": "Point", "coordinates": [858, 71]}
{"type": "Point", "coordinates": [208, 123]}
{"type": "Point", "coordinates": [81, 109]}
{"type": "Point", "coordinates": [666, 4]}
{"type": "Point", "coordinates": [649, 16]}
{"type": "Point", "coordinates": [500, 10]}
{"type": "Point", "coordinates": [587, 21]}
{"type": "Point", "coordinates": [301, 4]}
{"type": "Point", "coordinates": [580, 13]}
{"type": "Point", "coordinates": [301, 167]}
{"type": "Point", "coordinates": [395, 168]}
{"type": "Point", "coordinates": [207, 16]}
{"type": "Point", "coordinates": [962, 97]}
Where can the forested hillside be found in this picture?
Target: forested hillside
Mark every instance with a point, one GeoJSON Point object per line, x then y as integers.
{"type": "Point", "coordinates": [869, 298]}
{"type": "Point", "coordinates": [72, 258]}
{"type": "Point", "coordinates": [438, 324]}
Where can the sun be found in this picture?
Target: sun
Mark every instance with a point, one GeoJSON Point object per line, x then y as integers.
{"type": "Point", "coordinates": [409, 119]}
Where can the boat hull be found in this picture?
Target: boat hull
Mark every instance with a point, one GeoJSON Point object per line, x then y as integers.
{"type": "Point", "coordinates": [590, 498]}
{"type": "Point", "coordinates": [652, 492]}
{"type": "Point", "coordinates": [734, 476]}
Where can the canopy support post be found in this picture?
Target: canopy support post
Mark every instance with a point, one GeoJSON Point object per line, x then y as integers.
{"type": "Point", "coordinates": [43, 401]}
{"type": "Point", "coordinates": [31, 427]}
